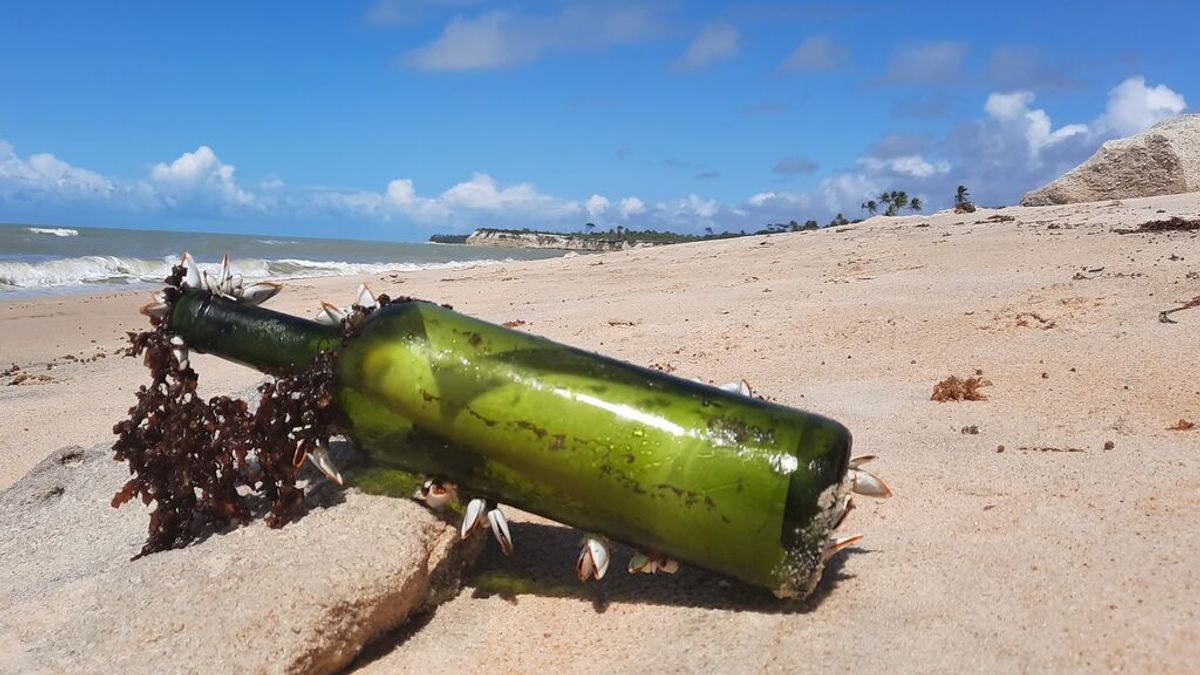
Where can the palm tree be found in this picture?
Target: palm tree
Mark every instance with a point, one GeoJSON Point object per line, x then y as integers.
{"type": "Point", "coordinates": [961, 195]}
{"type": "Point", "coordinates": [871, 206]}
{"type": "Point", "coordinates": [915, 204]}
{"type": "Point", "coordinates": [896, 200]}
{"type": "Point", "coordinates": [885, 199]}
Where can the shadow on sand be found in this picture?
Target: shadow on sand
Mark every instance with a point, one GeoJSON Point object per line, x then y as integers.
{"type": "Point", "coordinates": [544, 565]}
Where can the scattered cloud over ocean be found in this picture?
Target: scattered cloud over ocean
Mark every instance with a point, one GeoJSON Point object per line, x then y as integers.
{"type": "Point", "coordinates": [712, 45]}
{"type": "Point", "coordinates": [1012, 145]}
{"type": "Point", "coordinates": [199, 179]}
{"type": "Point", "coordinates": [385, 12]}
{"type": "Point", "coordinates": [765, 108]}
{"type": "Point", "coordinates": [1132, 106]}
{"type": "Point", "coordinates": [42, 176]}
{"type": "Point", "coordinates": [933, 62]}
{"type": "Point", "coordinates": [923, 105]}
{"type": "Point", "coordinates": [816, 53]}
{"type": "Point", "coordinates": [502, 39]}
{"type": "Point", "coordinates": [1023, 66]}
{"type": "Point", "coordinates": [793, 165]}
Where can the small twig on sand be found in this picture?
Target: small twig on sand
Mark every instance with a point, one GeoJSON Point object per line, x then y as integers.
{"type": "Point", "coordinates": [1164, 316]}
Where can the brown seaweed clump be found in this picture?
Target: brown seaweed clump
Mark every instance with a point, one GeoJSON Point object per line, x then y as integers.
{"type": "Point", "coordinates": [200, 461]}
{"type": "Point", "coordinates": [1175, 223]}
{"type": "Point", "coordinates": [955, 389]}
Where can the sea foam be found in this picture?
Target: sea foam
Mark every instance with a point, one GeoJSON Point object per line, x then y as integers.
{"type": "Point", "coordinates": [56, 231]}
{"type": "Point", "coordinates": [96, 269]}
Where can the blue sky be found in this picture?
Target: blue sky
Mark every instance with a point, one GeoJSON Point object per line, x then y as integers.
{"type": "Point", "coordinates": [396, 119]}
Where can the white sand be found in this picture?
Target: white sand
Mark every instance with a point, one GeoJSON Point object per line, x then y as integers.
{"type": "Point", "coordinates": [1055, 554]}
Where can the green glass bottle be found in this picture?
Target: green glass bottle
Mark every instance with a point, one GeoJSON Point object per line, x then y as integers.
{"type": "Point", "coordinates": [711, 478]}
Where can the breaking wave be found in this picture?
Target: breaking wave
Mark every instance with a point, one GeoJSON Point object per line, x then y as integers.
{"type": "Point", "coordinates": [56, 231]}
{"type": "Point", "coordinates": [101, 269]}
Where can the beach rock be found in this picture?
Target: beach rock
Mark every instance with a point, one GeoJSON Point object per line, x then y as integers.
{"type": "Point", "coordinates": [1163, 160]}
{"type": "Point", "coordinates": [306, 597]}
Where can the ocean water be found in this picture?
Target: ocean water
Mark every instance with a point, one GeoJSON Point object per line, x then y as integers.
{"type": "Point", "coordinates": [39, 259]}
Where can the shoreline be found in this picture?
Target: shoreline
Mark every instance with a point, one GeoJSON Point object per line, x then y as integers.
{"type": "Point", "coordinates": [35, 261]}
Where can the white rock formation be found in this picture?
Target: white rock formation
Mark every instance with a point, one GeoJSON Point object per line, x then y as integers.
{"type": "Point", "coordinates": [304, 598]}
{"type": "Point", "coordinates": [1163, 160]}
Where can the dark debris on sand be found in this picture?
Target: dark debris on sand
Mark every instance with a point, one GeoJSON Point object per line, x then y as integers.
{"type": "Point", "coordinates": [1173, 224]}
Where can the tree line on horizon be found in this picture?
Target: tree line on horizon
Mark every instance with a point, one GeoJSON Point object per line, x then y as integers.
{"type": "Point", "coordinates": [891, 203]}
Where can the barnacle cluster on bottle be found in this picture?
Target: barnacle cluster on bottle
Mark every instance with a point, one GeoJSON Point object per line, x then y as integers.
{"type": "Point", "coordinates": [199, 460]}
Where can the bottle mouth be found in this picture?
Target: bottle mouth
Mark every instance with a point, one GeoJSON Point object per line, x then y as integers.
{"type": "Point", "coordinates": [817, 501]}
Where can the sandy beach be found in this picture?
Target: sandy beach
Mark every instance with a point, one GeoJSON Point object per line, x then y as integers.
{"type": "Point", "coordinates": [1051, 527]}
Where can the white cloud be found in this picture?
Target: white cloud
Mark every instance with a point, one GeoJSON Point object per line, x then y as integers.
{"type": "Point", "coordinates": [844, 192]}
{"type": "Point", "coordinates": [503, 39]}
{"type": "Point", "coordinates": [596, 205]}
{"type": "Point", "coordinates": [795, 164]}
{"type": "Point", "coordinates": [271, 183]}
{"type": "Point", "coordinates": [43, 175]}
{"type": "Point", "coordinates": [401, 193]}
{"type": "Point", "coordinates": [197, 176]}
{"type": "Point", "coordinates": [1024, 66]}
{"type": "Point", "coordinates": [383, 12]}
{"type": "Point", "coordinates": [814, 54]}
{"type": "Point", "coordinates": [483, 193]}
{"type": "Point", "coordinates": [915, 166]}
{"type": "Point", "coordinates": [1008, 106]}
{"type": "Point", "coordinates": [631, 206]}
{"type": "Point", "coordinates": [936, 62]}
{"type": "Point", "coordinates": [1134, 107]}
{"type": "Point", "coordinates": [713, 44]}
{"type": "Point", "coordinates": [1012, 146]}
{"type": "Point", "coordinates": [467, 44]}
{"type": "Point", "coordinates": [1011, 123]}
{"type": "Point", "coordinates": [690, 211]}
{"type": "Point", "coordinates": [787, 200]}
{"type": "Point", "coordinates": [900, 144]}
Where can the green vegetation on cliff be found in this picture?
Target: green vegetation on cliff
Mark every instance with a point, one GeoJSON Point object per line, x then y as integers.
{"type": "Point", "coordinates": [620, 234]}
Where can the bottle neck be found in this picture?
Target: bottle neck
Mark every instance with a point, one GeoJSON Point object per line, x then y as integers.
{"type": "Point", "coordinates": [260, 338]}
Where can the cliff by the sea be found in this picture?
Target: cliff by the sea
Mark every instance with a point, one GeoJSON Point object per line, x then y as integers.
{"type": "Point", "coordinates": [569, 242]}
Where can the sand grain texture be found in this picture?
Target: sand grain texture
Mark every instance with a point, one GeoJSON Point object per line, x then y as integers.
{"type": "Point", "coordinates": [1055, 554]}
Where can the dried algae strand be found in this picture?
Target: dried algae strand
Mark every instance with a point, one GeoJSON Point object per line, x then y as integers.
{"type": "Point", "coordinates": [1175, 223]}
{"type": "Point", "coordinates": [200, 461]}
{"type": "Point", "coordinates": [954, 388]}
